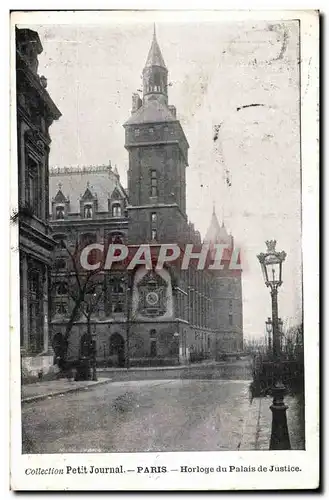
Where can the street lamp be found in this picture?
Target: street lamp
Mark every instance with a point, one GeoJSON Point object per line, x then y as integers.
{"type": "Point", "coordinates": [268, 324]}
{"type": "Point", "coordinates": [271, 264]}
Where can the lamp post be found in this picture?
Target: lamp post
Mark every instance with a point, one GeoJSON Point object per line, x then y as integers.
{"type": "Point", "coordinates": [268, 324]}
{"type": "Point", "coordinates": [94, 354]}
{"type": "Point", "coordinates": [280, 326]}
{"type": "Point", "coordinates": [271, 264]}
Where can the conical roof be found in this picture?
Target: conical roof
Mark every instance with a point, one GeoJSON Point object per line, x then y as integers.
{"type": "Point", "coordinates": [154, 57]}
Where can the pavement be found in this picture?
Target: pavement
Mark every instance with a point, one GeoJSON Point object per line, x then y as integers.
{"type": "Point", "coordinates": [51, 388]}
{"type": "Point", "coordinates": [150, 415]}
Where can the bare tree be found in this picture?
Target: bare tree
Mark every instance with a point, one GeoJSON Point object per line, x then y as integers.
{"type": "Point", "coordinates": [84, 288]}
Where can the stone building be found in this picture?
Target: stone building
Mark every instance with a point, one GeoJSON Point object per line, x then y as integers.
{"type": "Point", "coordinates": [169, 316]}
{"type": "Point", "coordinates": [35, 113]}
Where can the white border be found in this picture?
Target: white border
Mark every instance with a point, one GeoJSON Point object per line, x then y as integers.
{"type": "Point", "coordinates": [307, 460]}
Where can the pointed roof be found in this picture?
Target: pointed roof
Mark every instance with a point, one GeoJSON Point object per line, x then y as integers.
{"type": "Point", "coordinates": [60, 198]}
{"type": "Point", "coordinates": [213, 229]}
{"type": "Point", "coordinates": [154, 57]}
{"type": "Point", "coordinates": [87, 194]}
{"type": "Point", "coordinates": [217, 233]}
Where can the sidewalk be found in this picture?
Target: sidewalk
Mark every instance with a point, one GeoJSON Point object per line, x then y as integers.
{"type": "Point", "coordinates": [49, 389]}
{"type": "Point", "coordinates": [258, 424]}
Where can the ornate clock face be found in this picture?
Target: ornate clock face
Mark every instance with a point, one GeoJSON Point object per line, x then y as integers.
{"type": "Point", "coordinates": [152, 298]}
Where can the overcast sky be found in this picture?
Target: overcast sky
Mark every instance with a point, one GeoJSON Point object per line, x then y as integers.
{"type": "Point", "coordinates": [250, 169]}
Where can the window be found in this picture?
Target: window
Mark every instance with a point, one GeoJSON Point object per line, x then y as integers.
{"type": "Point", "coordinates": [35, 311]}
{"type": "Point", "coordinates": [117, 286]}
{"type": "Point", "coordinates": [154, 234]}
{"type": "Point", "coordinates": [151, 130]}
{"type": "Point", "coordinates": [230, 319]}
{"type": "Point", "coordinates": [208, 342]}
{"type": "Point", "coordinates": [118, 307]}
{"type": "Point", "coordinates": [62, 289]}
{"type": "Point", "coordinates": [88, 212]}
{"type": "Point", "coordinates": [59, 212]}
{"type": "Point", "coordinates": [136, 132]}
{"type": "Point", "coordinates": [230, 304]}
{"type": "Point", "coordinates": [153, 348]}
{"type": "Point", "coordinates": [154, 183]}
{"type": "Point", "coordinates": [60, 264]}
{"type": "Point", "coordinates": [153, 344]}
{"type": "Point", "coordinates": [33, 198]}
{"type": "Point", "coordinates": [116, 210]}
{"type": "Point", "coordinates": [153, 217]}
{"type": "Point", "coordinates": [87, 239]}
{"type": "Point", "coordinates": [61, 309]}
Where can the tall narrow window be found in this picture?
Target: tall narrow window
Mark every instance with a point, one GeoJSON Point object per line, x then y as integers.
{"type": "Point", "coordinates": [33, 197]}
{"type": "Point", "coordinates": [154, 234]}
{"type": "Point", "coordinates": [88, 212]}
{"type": "Point", "coordinates": [35, 312]}
{"type": "Point", "coordinates": [230, 319]}
{"type": "Point", "coordinates": [154, 183]}
{"type": "Point", "coordinates": [153, 344]}
{"type": "Point", "coordinates": [153, 217]}
{"type": "Point", "coordinates": [116, 210]}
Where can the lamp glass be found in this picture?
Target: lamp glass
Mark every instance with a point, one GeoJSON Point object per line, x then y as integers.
{"type": "Point", "coordinates": [273, 268]}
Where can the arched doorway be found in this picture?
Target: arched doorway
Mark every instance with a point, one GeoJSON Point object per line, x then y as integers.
{"type": "Point", "coordinates": [117, 349]}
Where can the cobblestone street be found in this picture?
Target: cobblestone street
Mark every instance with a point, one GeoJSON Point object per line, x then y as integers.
{"type": "Point", "coordinates": [153, 415]}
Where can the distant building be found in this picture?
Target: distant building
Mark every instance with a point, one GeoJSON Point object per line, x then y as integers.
{"type": "Point", "coordinates": [35, 113]}
{"type": "Point", "coordinates": [169, 316]}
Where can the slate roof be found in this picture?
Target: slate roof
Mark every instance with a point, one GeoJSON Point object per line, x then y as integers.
{"type": "Point", "coordinates": [74, 183]}
{"type": "Point", "coordinates": [154, 57]}
{"type": "Point", "coordinates": [151, 111]}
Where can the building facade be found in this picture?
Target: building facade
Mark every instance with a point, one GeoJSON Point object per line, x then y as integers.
{"type": "Point", "coordinates": [146, 316]}
{"type": "Point", "coordinates": [35, 113]}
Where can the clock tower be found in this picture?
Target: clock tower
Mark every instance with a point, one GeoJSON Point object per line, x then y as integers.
{"type": "Point", "coordinates": [158, 157]}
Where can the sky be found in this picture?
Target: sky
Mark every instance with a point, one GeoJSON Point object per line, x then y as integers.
{"type": "Point", "coordinates": [236, 89]}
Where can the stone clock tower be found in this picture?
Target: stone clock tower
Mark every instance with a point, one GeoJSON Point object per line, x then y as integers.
{"type": "Point", "coordinates": [158, 150]}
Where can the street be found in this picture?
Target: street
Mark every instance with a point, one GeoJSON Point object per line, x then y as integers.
{"type": "Point", "coordinates": [154, 415]}
{"type": "Point", "coordinates": [134, 416]}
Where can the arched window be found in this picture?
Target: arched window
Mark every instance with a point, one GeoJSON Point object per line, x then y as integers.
{"type": "Point", "coordinates": [116, 210]}
{"type": "Point", "coordinates": [59, 212]}
{"type": "Point", "coordinates": [62, 289]}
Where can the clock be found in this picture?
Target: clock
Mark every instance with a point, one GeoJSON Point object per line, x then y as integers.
{"type": "Point", "coordinates": [152, 298]}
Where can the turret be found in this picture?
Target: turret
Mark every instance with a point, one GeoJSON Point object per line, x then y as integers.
{"type": "Point", "coordinates": [155, 75]}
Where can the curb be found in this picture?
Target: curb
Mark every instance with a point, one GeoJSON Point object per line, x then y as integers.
{"type": "Point", "coordinates": [40, 397]}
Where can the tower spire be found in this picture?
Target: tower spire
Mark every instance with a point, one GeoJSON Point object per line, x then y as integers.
{"type": "Point", "coordinates": [154, 57]}
{"type": "Point", "coordinates": [155, 74]}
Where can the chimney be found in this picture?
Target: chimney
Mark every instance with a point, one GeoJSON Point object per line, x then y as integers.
{"type": "Point", "coordinates": [172, 110]}
{"type": "Point", "coordinates": [136, 103]}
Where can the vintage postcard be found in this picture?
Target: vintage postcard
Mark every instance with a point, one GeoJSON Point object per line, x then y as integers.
{"type": "Point", "coordinates": [164, 242]}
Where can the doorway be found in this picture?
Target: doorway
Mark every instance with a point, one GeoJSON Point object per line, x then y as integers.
{"type": "Point", "coordinates": [117, 349]}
